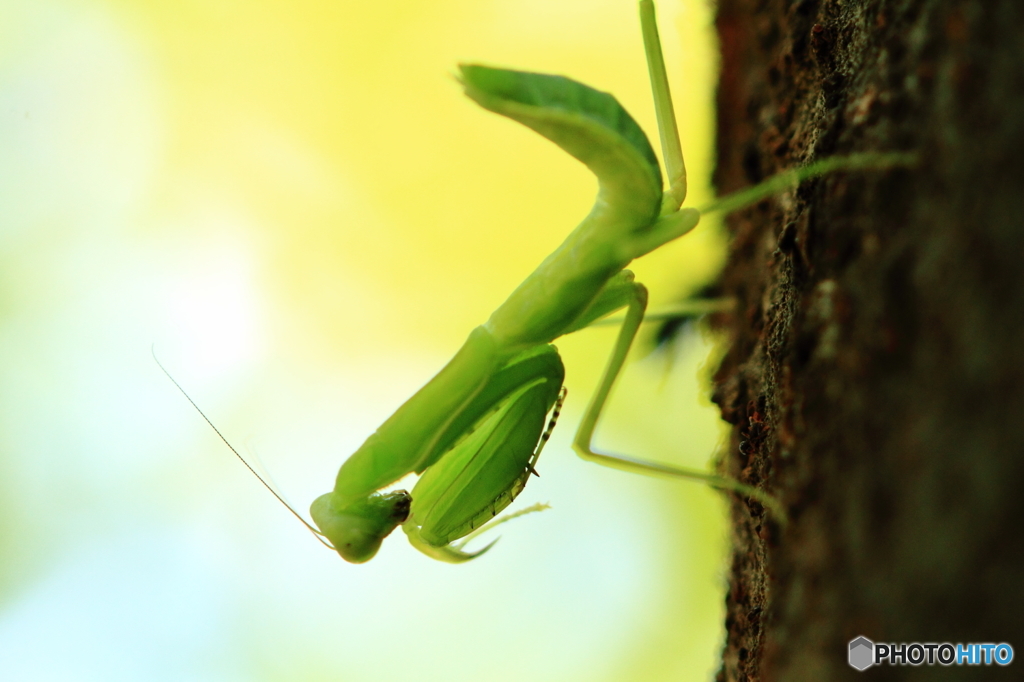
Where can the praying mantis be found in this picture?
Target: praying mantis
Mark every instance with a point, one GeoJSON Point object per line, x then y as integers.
{"type": "Point", "coordinates": [474, 432]}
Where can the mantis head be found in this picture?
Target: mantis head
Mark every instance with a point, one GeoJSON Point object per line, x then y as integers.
{"type": "Point", "coordinates": [357, 529]}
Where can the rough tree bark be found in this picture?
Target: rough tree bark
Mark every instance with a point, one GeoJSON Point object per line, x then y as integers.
{"type": "Point", "coordinates": [875, 377]}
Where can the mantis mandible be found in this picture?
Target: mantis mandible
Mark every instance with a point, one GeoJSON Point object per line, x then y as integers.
{"type": "Point", "coordinates": [474, 432]}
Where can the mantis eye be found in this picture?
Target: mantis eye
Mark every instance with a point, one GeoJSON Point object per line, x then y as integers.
{"type": "Point", "coordinates": [357, 530]}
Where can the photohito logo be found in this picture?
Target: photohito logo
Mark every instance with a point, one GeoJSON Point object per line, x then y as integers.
{"type": "Point", "coordinates": [864, 653]}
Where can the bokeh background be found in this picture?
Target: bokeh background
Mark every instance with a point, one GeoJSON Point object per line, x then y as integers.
{"type": "Point", "coordinates": [293, 202]}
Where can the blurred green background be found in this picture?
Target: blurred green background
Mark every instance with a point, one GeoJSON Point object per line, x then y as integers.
{"type": "Point", "coordinates": [296, 205]}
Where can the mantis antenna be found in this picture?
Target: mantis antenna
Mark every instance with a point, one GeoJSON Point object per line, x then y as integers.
{"type": "Point", "coordinates": [268, 486]}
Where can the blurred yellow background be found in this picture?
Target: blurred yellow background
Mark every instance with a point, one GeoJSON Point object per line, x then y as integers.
{"type": "Point", "coordinates": [296, 205]}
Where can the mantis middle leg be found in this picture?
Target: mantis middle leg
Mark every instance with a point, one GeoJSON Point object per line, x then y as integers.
{"type": "Point", "coordinates": [636, 297]}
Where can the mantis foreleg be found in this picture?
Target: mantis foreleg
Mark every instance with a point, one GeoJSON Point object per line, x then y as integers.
{"type": "Point", "coordinates": [490, 463]}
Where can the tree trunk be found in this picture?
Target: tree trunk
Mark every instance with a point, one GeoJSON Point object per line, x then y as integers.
{"type": "Point", "coordinates": [875, 377]}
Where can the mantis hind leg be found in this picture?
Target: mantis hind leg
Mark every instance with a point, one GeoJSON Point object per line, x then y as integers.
{"type": "Point", "coordinates": [583, 441]}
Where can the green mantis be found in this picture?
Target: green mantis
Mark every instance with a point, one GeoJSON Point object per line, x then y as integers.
{"type": "Point", "coordinates": [474, 432]}
{"type": "Point", "coordinates": [476, 429]}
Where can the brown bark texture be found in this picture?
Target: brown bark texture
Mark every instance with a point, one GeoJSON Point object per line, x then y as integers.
{"type": "Point", "coordinates": [876, 371]}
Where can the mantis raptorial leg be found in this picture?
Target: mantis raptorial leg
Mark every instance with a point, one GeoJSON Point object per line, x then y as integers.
{"type": "Point", "coordinates": [475, 430]}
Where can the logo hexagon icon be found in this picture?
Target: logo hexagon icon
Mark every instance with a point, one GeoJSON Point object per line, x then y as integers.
{"type": "Point", "coordinates": [862, 653]}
